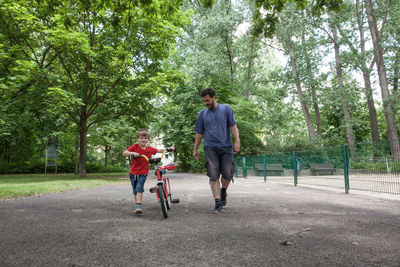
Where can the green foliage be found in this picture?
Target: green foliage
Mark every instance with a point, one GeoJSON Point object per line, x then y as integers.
{"type": "Point", "coordinates": [265, 21]}
{"type": "Point", "coordinates": [83, 62]}
{"type": "Point", "coordinates": [38, 166]}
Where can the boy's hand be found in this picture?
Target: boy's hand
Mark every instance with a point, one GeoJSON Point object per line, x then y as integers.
{"type": "Point", "coordinates": [169, 149]}
{"type": "Point", "coordinates": [135, 154]}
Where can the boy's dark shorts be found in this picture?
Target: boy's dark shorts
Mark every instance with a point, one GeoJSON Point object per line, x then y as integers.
{"type": "Point", "coordinates": [219, 161]}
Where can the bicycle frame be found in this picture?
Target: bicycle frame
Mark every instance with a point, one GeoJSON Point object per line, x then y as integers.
{"type": "Point", "coordinates": [164, 181]}
{"type": "Point", "coordinates": [162, 188]}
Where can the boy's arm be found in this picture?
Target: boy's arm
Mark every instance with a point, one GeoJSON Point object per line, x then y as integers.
{"type": "Point", "coordinates": [127, 153]}
{"type": "Point", "coordinates": [161, 150]}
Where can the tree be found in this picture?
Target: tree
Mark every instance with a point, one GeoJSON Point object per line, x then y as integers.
{"type": "Point", "coordinates": [285, 33]}
{"type": "Point", "coordinates": [96, 54]}
{"type": "Point", "coordinates": [376, 35]}
{"type": "Point", "coordinates": [267, 16]}
{"type": "Point", "coordinates": [341, 87]}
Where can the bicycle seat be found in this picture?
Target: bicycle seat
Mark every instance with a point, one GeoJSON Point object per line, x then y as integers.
{"type": "Point", "coordinates": [154, 160]}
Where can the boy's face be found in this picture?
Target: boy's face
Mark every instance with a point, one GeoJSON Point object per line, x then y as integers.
{"type": "Point", "coordinates": [143, 140]}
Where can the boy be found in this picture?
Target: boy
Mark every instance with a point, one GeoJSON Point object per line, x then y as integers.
{"type": "Point", "coordinates": [140, 166]}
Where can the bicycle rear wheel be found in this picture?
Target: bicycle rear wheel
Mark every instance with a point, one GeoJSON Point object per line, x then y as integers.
{"type": "Point", "coordinates": [163, 200]}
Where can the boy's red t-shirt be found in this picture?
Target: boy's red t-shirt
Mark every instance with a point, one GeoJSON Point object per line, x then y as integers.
{"type": "Point", "coordinates": [141, 165]}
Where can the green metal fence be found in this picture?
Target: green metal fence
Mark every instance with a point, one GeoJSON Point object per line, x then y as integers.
{"type": "Point", "coordinates": [374, 168]}
{"type": "Point", "coordinates": [368, 167]}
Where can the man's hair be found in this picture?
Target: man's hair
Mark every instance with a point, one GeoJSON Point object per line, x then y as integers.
{"type": "Point", "coordinates": [142, 132]}
{"type": "Point", "coordinates": [208, 91]}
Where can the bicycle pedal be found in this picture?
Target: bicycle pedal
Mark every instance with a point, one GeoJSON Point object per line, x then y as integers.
{"type": "Point", "coordinates": [175, 200]}
{"type": "Point", "coordinates": [152, 189]}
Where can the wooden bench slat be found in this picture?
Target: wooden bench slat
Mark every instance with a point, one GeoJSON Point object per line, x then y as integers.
{"type": "Point", "coordinates": [316, 168]}
{"type": "Point", "coordinates": [269, 168]}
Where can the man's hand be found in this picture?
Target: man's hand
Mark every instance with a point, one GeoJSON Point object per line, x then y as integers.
{"type": "Point", "coordinates": [236, 147]}
{"type": "Point", "coordinates": [196, 154]}
{"type": "Point", "coordinates": [197, 141]}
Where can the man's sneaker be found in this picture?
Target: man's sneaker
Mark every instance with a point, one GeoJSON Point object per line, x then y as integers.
{"type": "Point", "coordinates": [218, 208]}
{"type": "Point", "coordinates": [138, 209]}
{"type": "Point", "coordinates": [223, 198]}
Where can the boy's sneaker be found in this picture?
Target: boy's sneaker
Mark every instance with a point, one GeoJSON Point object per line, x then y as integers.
{"type": "Point", "coordinates": [223, 198]}
{"type": "Point", "coordinates": [138, 209]}
{"type": "Point", "coordinates": [218, 208]}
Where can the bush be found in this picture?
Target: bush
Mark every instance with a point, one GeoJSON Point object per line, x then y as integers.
{"type": "Point", "coordinates": [38, 166]}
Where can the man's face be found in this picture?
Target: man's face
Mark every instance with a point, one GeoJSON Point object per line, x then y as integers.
{"type": "Point", "coordinates": [210, 102]}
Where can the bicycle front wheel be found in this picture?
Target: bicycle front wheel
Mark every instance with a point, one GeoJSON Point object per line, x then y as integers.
{"type": "Point", "coordinates": [167, 198]}
{"type": "Point", "coordinates": [163, 200]}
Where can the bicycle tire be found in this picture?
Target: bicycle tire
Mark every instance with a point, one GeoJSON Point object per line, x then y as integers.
{"type": "Point", "coordinates": [167, 199]}
{"type": "Point", "coordinates": [161, 195]}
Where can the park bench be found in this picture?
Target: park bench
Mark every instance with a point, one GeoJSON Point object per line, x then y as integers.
{"type": "Point", "coordinates": [272, 169]}
{"type": "Point", "coordinates": [317, 168]}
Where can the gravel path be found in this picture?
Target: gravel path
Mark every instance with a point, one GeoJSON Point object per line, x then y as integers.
{"type": "Point", "coordinates": [264, 224]}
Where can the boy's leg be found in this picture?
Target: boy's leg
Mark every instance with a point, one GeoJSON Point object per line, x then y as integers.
{"type": "Point", "coordinates": [138, 198]}
{"type": "Point", "coordinates": [139, 189]}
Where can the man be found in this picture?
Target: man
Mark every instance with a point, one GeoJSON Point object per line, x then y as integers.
{"type": "Point", "coordinates": [215, 123]}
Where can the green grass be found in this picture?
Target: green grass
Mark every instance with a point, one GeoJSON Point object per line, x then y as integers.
{"type": "Point", "coordinates": [20, 185]}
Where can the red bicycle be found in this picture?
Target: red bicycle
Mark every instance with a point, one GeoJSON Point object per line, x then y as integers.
{"type": "Point", "coordinates": [163, 186]}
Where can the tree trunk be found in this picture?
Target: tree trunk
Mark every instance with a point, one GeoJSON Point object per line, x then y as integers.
{"type": "Point", "coordinates": [249, 69]}
{"type": "Point", "coordinates": [77, 154]}
{"type": "Point", "coordinates": [380, 65]}
{"type": "Point", "coordinates": [229, 53]}
{"type": "Point", "coordinates": [82, 142]}
{"type": "Point", "coordinates": [373, 120]}
{"type": "Point", "coordinates": [345, 105]}
{"type": "Point", "coordinates": [396, 83]}
{"type": "Point", "coordinates": [107, 150]}
{"type": "Point", "coordinates": [310, 126]}
{"type": "Point", "coordinates": [313, 94]}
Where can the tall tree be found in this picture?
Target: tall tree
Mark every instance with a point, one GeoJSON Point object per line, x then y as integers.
{"type": "Point", "coordinates": [285, 33]}
{"type": "Point", "coordinates": [341, 87]}
{"type": "Point", "coordinates": [381, 69]}
{"type": "Point", "coordinates": [97, 53]}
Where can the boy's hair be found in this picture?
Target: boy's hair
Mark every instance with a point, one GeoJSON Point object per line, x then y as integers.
{"type": "Point", "coordinates": [208, 91]}
{"type": "Point", "coordinates": [142, 132]}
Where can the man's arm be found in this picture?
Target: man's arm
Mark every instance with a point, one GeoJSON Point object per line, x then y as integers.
{"type": "Point", "coordinates": [235, 133]}
{"type": "Point", "coordinates": [197, 141]}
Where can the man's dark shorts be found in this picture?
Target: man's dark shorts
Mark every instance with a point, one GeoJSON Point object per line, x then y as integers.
{"type": "Point", "coordinates": [219, 160]}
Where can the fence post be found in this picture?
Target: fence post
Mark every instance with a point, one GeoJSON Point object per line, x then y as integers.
{"type": "Point", "coordinates": [346, 169]}
{"type": "Point", "coordinates": [265, 167]}
{"type": "Point", "coordinates": [244, 167]}
{"type": "Point", "coordinates": [294, 164]}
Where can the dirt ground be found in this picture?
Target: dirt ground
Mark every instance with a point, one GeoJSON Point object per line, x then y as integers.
{"type": "Point", "coordinates": [264, 224]}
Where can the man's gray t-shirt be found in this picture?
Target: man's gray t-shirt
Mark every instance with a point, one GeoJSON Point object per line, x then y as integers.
{"type": "Point", "coordinates": [215, 125]}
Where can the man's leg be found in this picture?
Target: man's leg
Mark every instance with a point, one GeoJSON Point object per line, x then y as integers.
{"type": "Point", "coordinates": [224, 187]}
{"type": "Point", "coordinates": [227, 170]}
{"type": "Point", "coordinates": [213, 172]}
{"type": "Point", "coordinates": [215, 189]}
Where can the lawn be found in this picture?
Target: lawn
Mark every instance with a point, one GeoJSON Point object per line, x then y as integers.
{"type": "Point", "coordinates": [20, 185]}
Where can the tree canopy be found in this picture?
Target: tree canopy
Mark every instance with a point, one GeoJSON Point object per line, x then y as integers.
{"type": "Point", "coordinates": [85, 75]}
